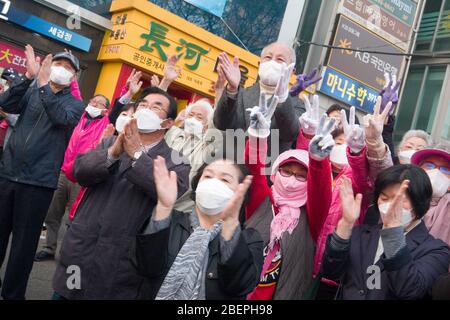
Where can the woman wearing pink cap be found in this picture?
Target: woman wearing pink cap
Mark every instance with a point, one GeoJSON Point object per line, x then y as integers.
{"type": "Point", "coordinates": [436, 163]}
{"type": "Point", "coordinates": [282, 214]}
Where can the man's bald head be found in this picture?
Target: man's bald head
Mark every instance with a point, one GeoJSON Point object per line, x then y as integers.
{"type": "Point", "coordinates": [280, 52]}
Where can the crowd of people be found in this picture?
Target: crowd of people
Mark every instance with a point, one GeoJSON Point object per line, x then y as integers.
{"type": "Point", "coordinates": [309, 205]}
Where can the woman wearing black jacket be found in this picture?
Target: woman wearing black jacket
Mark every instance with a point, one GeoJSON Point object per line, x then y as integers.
{"type": "Point", "coordinates": [397, 259]}
{"type": "Point", "coordinates": [204, 254]}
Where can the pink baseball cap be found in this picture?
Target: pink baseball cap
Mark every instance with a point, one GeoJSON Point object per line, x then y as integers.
{"type": "Point", "coordinates": [296, 155]}
{"type": "Point", "coordinates": [421, 155]}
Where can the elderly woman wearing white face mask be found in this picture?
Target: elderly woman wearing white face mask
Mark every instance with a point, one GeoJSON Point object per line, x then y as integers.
{"type": "Point", "coordinates": [436, 163]}
{"type": "Point", "coordinates": [205, 254]}
{"type": "Point", "coordinates": [412, 141]}
{"type": "Point", "coordinates": [199, 142]}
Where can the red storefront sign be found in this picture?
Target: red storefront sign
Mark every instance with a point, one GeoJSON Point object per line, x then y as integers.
{"type": "Point", "coordinates": [12, 56]}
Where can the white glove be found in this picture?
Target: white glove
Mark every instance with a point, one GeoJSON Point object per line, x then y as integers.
{"type": "Point", "coordinates": [282, 89]}
{"type": "Point", "coordinates": [321, 145]}
{"type": "Point", "coordinates": [261, 116]}
{"type": "Point", "coordinates": [309, 121]}
{"type": "Point", "coordinates": [354, 134]}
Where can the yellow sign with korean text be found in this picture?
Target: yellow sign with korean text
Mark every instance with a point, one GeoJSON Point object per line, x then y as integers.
{"type": "Point", "coordinates": [145, 35]}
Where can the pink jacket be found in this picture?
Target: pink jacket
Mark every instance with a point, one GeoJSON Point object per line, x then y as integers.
{"type": "Point", "coordinates": [75, 90]}
{"type": "Point", "coordinates": [437, 218]}
{"type": "Point", "coordinates": [82, 140]}
{"type": "Point", "coordinates": [358, 172]}
{"type": "Point", "coordinates": [361, 171]}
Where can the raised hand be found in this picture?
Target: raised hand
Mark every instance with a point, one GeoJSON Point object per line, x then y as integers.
{"type": "Point", "coordinates": [304, 81]}
{"type": "Point", "coordinates": [166, 188]}
{"type": "Point", "coordinates": [374, 123]}
{"type": "Point", "coordinates": [44, 71]}
{"type": "Point", "coordinates": [33, 63]}
{"type": "Point", "coordinates": [132, 141]}
{"type": "Point", "coordinates": [261, 117]}
{"type": "Point", "coordinates": [354, 134]}
{"type": "Point", "coordinates": [134, 83]}
{"type": "Point", "coordinates": [230, 214]}
{"type": "Point", "coordinates": [321, 145]}
{"type": "Point", "coordinates": [117, 148]}
{"type": "Point", "coordinates": [154, 81]}
{"type": "Point", "coordinates": [108, 131]}
{"type": "Point", "coordinates": [231, 71]}
{"type": "Point", "coordinates": [393, 216]}
{"type": "Point", "coordinates": [282, 89]}
{"type": "Point", "coordinates": [309, 121]}
{"type": "Point", "coordinates": [389, 92]}
{"type": "Point", "coordinates": [219, 85]}
{"type": "Point", "coordinates": [171, 71]}
{"type": "Point", "coordinates": [351, 208]}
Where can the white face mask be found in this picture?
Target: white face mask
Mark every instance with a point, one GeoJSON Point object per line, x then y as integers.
{"type": "Point", "coordinates": [439, 181]}
{"type": "Point", "coordinates": [406, 213]}
{"type": "Point", "coordinates": [60, 75]}
{"type": "Point", "coordinates": [406, 155]}
{"type": "Point", "coordinates": [212, 195]}
{"type": "Point", "coordinates": [193, 126]}
{"type": "Point", "coordinates": [93, 111]}
{"type": "Point", "coordinates": [338, 155]}
{"type": "Point", "coordinates": [147, 121]}
{"type": "Point", "coordinates": [121, 122]}
{"type": "Point", "coordinates": [270, 72]}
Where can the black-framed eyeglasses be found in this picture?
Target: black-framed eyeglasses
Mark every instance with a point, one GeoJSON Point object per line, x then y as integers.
{"type": "Point", "coordinates": [288, 173]}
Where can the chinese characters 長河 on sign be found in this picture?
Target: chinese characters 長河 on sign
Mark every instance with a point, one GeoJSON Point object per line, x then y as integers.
{"type": "Point", "coordinates": [365, 67]}
{"type": "Point", "coordinates": [391, 19]}
{"type": "Point", "coordinates": [155, 39]}
{"type": "Point", "coordinates": [347, 90]}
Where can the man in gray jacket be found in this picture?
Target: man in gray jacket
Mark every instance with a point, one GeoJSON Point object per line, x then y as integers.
{"type": "Point", "coordinates": [275, 69]}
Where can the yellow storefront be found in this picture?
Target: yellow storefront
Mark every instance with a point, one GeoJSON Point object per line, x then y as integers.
{"type": "Point", "coordinates": [145, 35]}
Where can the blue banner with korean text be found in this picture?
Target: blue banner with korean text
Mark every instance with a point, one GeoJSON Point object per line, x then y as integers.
{"type": "Point", "coordinates": [10, 13]}
{"type": "Point", "coordinates": [347, 90]}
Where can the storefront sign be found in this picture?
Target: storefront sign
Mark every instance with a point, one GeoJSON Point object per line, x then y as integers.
{"type": "Point", "coordinates": [367, 68]}
{"type": "Point", "coordinates": [391, 19]}
{"type": "Point", "coordinates": [10, 13]}
{"type": "Point", "coordinates": [347, 90]}
{"type": "Point", "coordinates": [12, 57]}
{"type": "Point", "coordinates": [146, 39]}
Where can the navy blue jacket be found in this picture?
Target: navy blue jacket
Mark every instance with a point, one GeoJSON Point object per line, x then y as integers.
{"type": "Point", "coordinates": [35, 151]}
{"type": "Point", "coordinates": [409, 275]}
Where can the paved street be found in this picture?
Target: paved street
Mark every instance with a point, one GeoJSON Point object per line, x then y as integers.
{"type": "Point", "coordinates": [40, 283]}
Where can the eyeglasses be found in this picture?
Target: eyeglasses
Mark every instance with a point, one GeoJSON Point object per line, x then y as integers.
{"type": "Point", "coordinates": [431, 166]}
{"type": "Point", "coordinates": [288, 173]}
{"type": "Point", "coordinates": [96, 103]}
{"type": "Point", "coordinates": [153, 107]}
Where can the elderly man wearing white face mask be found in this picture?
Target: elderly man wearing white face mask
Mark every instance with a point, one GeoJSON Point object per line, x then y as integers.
{"type": "Point", "coordinates": [199, 142]}
{"type": "Point", "coordinates": [121, 195]}
{"type": "Point", "coordinates": [32, 159]}
{"type": "Point", "coordinates": [275, 69]}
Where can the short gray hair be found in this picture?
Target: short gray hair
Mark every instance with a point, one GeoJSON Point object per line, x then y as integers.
{"type": "Point", "coordinates": [291, 50]}
{"type": "Point", "coordinates": [418, 134]}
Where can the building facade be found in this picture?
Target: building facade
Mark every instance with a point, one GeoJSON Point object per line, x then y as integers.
{"type": "Point", "coordinates": [51, 26]}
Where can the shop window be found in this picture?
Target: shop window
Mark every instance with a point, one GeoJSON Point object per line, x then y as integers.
{"type": "Point", "coordinates": [428, 25]}
{"type": "Point", "coordinates": [443, 32]}
{"type": "Point", "coordinates": [430, 98]}
{"type": "Point", "coordinates": [410, 96]}
{"type": "Point", "coordinates": [446, 129]}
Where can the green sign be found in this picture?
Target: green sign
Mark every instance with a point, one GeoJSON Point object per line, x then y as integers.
{"type": "Point", "coordinates": [156, 40]}
{"type": "Point", "coordinates": [405, 10]}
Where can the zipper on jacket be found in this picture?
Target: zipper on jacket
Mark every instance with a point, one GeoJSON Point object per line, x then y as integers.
{"type": "Point", "coordinates": [29, 136]}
